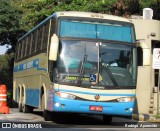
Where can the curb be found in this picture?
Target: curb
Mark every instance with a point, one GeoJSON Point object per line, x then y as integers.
{"type": "Point", "coordinates": [141, 117]}
{"type": "Point", "coordinates": [145, 117]}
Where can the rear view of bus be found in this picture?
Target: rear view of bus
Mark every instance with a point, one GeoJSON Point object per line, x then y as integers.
{"type": "Point", "coordinates": [90, 66]}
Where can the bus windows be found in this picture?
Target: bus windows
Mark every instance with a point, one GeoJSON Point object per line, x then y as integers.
{"type": "Point", "coordinates": [33, 43]}
{"type": "Point", "coordinates": [29, 44]}
{"type": "Point", "coordinates": [53, 27]}
{"type": "Point", "coordinates": [22, 49]}
{"type": "Point", "coordinates": [17, 51]}
{"type": "Point", "coordinates": [45, 35]}
{"type": "Point", "coordinates": [39, 38]}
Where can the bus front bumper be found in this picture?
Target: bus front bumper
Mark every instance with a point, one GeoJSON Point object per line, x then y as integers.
{"type": "Point", "coordinates": [79, 106]}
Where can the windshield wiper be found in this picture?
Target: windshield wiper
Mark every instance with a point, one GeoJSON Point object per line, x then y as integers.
{"type": "Point", "coordinates": [106, 68]}
{"type": "Point", "coordinates": [100, 66]}
{"type": "Point", "coordinates": [81, 74]}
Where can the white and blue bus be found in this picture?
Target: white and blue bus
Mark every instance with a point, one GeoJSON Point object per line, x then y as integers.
{"type": "Point", "coordinates": [77, 62]}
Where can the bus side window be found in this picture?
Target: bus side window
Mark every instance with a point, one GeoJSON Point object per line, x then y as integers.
{"type": "Point", "coordinates": [33, 42]}
{"type": "Point", "coordinates": [39, 39]}
{"type": "Point", "coordinates": [45, 35]}
{"type": "Point", "coordinates": [26, 46]}
{"type": "Point", "coordinates": [17, 51]}
{"type": "Point", "coordinates": [21, 49]}
{"type": "Point", "coordinates": [36, 41]}
{"type": "Point", "coordinates": [53, 27]}
{"type": "Point", "coordinates": [42, 37]}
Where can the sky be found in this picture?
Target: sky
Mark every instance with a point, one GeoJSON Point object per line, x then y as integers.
{"type": "Point", "coordinates": [3, 49]}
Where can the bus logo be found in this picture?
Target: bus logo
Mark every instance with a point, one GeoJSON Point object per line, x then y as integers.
{"type": "Point", "coordinates": [97, 97]}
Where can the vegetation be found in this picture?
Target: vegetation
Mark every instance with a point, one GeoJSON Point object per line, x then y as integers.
{"type": "Point", "coordinates": [19, 16]}
{"type": "Point", "coordinates": [157, 116]}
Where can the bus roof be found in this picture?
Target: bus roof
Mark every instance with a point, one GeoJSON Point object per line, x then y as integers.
{"type": "Point", "coordinates": [90, 15]}
{"type": "Point", "coordinates": [80, 15]}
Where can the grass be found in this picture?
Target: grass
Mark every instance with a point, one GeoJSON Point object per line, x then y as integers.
{"type": "Point", "coordinates": [157, 116]}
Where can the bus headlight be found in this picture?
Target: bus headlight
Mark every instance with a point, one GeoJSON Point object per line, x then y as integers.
{"type": "Point", "coordinates": [65, 95]}
{"type": "Point", "coordinates": [126, 99]}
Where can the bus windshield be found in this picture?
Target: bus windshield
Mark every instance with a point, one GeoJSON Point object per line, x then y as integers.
{"type": "Point", "coordinates": [97, 30]}
{"type": "Point", "coordinates": [83, 63]}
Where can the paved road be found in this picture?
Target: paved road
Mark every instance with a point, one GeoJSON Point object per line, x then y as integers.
{"type": "Point", "coordinates": [87, 122]}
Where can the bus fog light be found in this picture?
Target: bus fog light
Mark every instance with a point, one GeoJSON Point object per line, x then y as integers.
{"type": "Point", "coordinates": [57, 104]}
{"type": "Point", "coordinates": [130, 109]}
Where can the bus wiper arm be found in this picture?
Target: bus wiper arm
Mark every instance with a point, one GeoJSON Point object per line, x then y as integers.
{"type": "Point", "coordinates": [106, 68]}
{"type": "Point", "coordinates": [81, 74]}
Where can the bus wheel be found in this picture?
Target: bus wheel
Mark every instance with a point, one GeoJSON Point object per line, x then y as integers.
{"type": "Point", "coordinates": [107, 119]}
{"type": "Point", "coordinates": [26, 108]}
{"type": "Point", "coordinates": [19, 105]}
{"type": "Point", "coordinates": [46, 114]}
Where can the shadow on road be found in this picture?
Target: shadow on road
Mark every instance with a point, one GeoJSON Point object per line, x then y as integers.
{"type": "Point", "coordinates": [71, 119]}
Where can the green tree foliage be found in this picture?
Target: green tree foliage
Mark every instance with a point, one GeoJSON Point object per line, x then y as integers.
{"type": "Point", "coordinates": [154, 4]}
{"type": "Point", "coordinates": [9, 23]}
{"type": "Point", "coordinates": [6, 67]}
{"type": "Point", "coordinates": [34, 11]}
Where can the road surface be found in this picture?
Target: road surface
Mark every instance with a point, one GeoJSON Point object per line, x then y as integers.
{"type": "Point", "coordinates": [87, 122]}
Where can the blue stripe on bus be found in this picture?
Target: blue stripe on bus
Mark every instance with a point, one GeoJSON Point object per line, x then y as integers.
{"type": "Point", "coordinates": [28, 65]}
{"type": "Point", "coordinates": [77, 106]}
{"type": "Point", "coordinates": [91, 93]}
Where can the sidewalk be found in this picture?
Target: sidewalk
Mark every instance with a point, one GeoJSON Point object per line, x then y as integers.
{"type": "Point", "coordinates": [145, 117]}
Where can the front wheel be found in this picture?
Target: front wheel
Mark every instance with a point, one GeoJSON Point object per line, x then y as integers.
{"type": "Point", "coordinates": [107, 119]}
{"type": "Point", "coordinates": [19, 105]}
{"type": "Point", "coordinates": [47, 115]}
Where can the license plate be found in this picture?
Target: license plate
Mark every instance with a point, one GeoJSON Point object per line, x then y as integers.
{"type": "Point", "coordinates": [96, 108]}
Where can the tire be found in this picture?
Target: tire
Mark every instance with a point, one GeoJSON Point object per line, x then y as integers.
{"type": "Point", "coordinates": [107, 119]}
{"type": "Point", "coordinates": [19, 106]}
{"type": "Point", "coordinates": [47, 115]}
{"type": "Point", "coordinates": [27, 109]}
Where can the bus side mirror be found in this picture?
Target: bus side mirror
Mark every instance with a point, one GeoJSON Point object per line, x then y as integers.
{"type": "Point", "coordinates": [143, 52]}
{"type": "Point", "coordinates": [54, 48]}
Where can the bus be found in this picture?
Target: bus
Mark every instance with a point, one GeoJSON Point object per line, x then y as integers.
{"type": "Point", "coordinates": [77, 62]}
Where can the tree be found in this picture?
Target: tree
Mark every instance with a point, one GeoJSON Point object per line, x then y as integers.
{"type": "Point", "coordinates": [33, 12]}
{"type": "Point", "coordinates": [9, 23]}
{"type": "Point", "coordinates": [6, 67]}
{"type": "Point", "coordinates": [153, 4]}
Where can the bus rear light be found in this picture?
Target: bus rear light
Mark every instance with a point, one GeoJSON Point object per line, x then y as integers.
{"type": "Point", "coordinates": [65, 95]}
